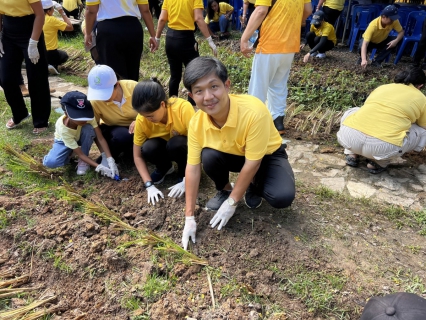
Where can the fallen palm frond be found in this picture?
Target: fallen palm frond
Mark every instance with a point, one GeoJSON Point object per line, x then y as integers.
{"type": "Point", "coordinates": [41, 313]}
{"type": "Point", "coordinates": [16, 282]}
{"type": "Point", "coordinates": [6, 293]}
{"type": "Point", "coordinates": [22, 160]}
{"type": "Point", "coordinates": [79, 60]}
{"type": "Point", "coordinates": [165, 244]}
{"type": "Point", "coordinates": [17, 313]}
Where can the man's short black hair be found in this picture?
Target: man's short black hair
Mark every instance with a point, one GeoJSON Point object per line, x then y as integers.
{"type": "Point", "coordinates": [201, 67]}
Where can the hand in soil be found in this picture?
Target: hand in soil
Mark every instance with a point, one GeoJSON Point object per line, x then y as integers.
{"type": "Point", "coordinates": [189, 231]}
{"type": "Point", "coordinates": [223, 215]}
{"type": "Point", "coordinates": [153, 194]}
{"type": "Point", "coordinates": [177, 190]}
{"type": "Point", "coordinates": [113, 166]}
{"type": "Point", "coordinates": [306, 57]}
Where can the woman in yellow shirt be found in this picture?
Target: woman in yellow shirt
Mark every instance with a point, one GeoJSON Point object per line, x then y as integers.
{"type": "Point", "coordinates": [217, 18]}
{"type": "Point", "coordinates": [160, 136]}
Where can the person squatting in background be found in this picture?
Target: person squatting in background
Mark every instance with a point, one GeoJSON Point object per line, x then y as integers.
{"type": "Point", "coordinates": [51, 27]}
{"type": "Point", "coordinates": [217, 17]}
{"type": "Point", "coordinates": [21, 38]}
{"type": "Point", "coordinates": [160, 136]}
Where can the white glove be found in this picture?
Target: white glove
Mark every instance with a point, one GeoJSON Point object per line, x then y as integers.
{"type": "Point", "coordinates": [212, 45]}
{"type": "Point", "coordinates": [177, 190]}
{"type": "Point", "coordinates": [223, 215]}
{"type": "Point", "coordinates": [57, 6]}
{"type": "Point", "coordinates": [113, 166]}
{"type": "Point", "coordinates": [104, 160]}
{"type": "Point", "coordinates": [189, 231]}
{"type": "Point", "coordinates": [105, 171]}
{"type": "Point", "coordinates": [33, 51]}
{"type": "Point", "coordinates": [153, 194]}
{"type": "Point", "coordinates": [1, 45]}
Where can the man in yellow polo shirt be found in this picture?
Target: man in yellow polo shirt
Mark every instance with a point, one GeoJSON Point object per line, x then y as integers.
{"type": "Point", "coordinates": [279, 41]}
{"type": "Point", "coordinates": [377, 37]}
{"type": "Point", "coordinates": [231, 133]}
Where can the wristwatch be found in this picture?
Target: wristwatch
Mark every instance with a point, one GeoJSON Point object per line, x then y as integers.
{"type": "Point", "coordinates": [232, 202]}
{"type": "Point", "coordinates": [148, 184]}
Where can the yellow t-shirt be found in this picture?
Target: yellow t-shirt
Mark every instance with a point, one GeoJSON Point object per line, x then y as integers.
{"type": "Point", "coordinates": [375, 33]}
{"type": "Point", "coordinates": [389, 111]}
{"type": "Point", "coordinates": [50, 30]}
{"type": "Point", "coordinates": [179, 113]}
{"type": "Point", "coordinates": [181, 13]}
{"type": "Point", "coordinates": [250, 1]}
{"type": "Point", "coordinates": [335, 4]}
{"type": "Point", "coordinates": [249, 131]}
{"type": "Point", "coordinates": [71, 5]}
{"type": "Point", "coordinates": [67, 135]}
{"type": "Point", "coordinates": [16, 8]}
{"type": "Point", "coordinates": [326, 30]}
{"type": "Point", "coordinates": [280, 32]}
{"type": "Point", "coordinates": [111, 114]}
{"type": "Point", "coordinates": [111, 9]}
{"type": "Point", "coordinates": [223, 9]}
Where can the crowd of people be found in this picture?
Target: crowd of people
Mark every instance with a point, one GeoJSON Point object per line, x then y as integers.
{"type": "Point", "coordinates": [135, 120]}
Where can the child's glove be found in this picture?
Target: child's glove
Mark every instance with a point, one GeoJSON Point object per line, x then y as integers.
{"type": "Point", "coordinates": [113, 166]}
{"type": "Point", "coordinates": [105, 171]}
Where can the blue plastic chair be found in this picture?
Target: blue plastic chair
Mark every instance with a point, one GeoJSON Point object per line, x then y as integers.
{"type": "Point", "coordinates": [362, 18]}
{"type": "Point", "coordinates": [237, 4]}
{"type": "Point", "coordinates": [413, 31]}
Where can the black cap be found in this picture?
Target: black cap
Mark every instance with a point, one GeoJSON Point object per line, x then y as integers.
{"type": "Point", "coordinates": [391, 12]}
{"type": "Point", "coordinates": [317, 18]}
{"type": "Point", "coordinates": [398, 306]}
{"type": "Point", "coordinates": [77, 106]}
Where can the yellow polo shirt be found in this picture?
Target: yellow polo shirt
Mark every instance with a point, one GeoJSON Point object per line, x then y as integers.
{"type": "Point", "coordinates": [326, 30]}
{"type": "Point", "coordinates": [111, 114]}
{"type": "Point", "coordinates": [249, 131]}
{"type": "Point", "coordinates": [334, 4]}
{"type": "Point", "coordinates": [67, 135]}
{"type": "Point", "coordinates": [389, 112]}
{"type": "Point", "coordinates": [50, 30]}
{"type": "Point", "coordinates": [223, 9]}
{"type": "Point", "coordinates": [280, 32]}
{"type": "Point", "coordinates": [71, 5]}
{"type": "Point", "coordinates": [16, 8]}
{"type": "Point", "coordinates": [181, 13]}
{"type": "Point", "coordinates": [179, 114]}
{"type": "Point", "coordinates": [375, 32]}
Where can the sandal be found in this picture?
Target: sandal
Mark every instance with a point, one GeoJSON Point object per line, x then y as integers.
{"type": "Point", "coordinates": [376, 168]}
{"type": "Point", "coordinates": [39, 130]}
{"type": "Point", "coordinates": [11, 123]}
{"type": "Point", "coordinates": [352, 161]}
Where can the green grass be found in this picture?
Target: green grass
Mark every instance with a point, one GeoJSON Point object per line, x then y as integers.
{"type": "Point", "coordinates": [155, 286]}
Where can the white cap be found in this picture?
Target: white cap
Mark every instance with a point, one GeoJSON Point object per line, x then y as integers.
{"type": "Point", "coordinates": [47, 4]}
{"type": "Point", "coordinates": [101, 83]}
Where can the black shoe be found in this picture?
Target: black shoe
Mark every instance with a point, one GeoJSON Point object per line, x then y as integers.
{"type": "Point", "coordinates": [157, 177]}
{"type": "Point", "coordinates": [215, 202]}
{"type": "Point", "coordinates": [424, 66]}
{"type": "Point", "coordinates": [251, 199]}
{"type": "Point", "coordinates": [279, 124]}
{"type": "Point", "coordinates": [376, 64]}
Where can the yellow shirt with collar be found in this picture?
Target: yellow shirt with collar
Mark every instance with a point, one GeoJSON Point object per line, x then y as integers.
{"type": "Point", "coordinates": [389, 112]}
{"type": "Point", "coordinates": [179, 114]}
{"type": "Point", "coordinates": [223, 9]}
{"type": "Point", "coordinates": [376, 33]}
{"type": "Point", "coordinates": [181, 13]}
{"type": "Point", "coordinates": [71, 5]}
{"type": "Point", "coordinates": [112, 115]}
{"type": "Point", "coordinates": [50, 29]}
{"type": "Point", "coordinates": [16, 8]}
{"type": "Point", "coordinates": [67, 135]}
{"type": "Point", "coordinates": [249, 131]}
{"type": "Point", "coordinates": [335, 4]}
{"type": "Point", "coordinates": [280, 32]}
{"type": "Point", "coordinates": [325, 30]}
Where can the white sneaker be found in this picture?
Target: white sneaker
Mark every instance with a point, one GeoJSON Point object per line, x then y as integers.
{"type": "Point", "coordinates": [82, 167]}
{"type": "Point", "coordinates": [52, 70]}
{"type": "Point", "coordinates": [321, 55]}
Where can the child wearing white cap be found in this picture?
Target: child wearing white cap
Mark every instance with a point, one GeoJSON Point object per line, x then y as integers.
{"type": "Point", "coordinates": [111, 100]}
{"type": "Point", "coordinates": [75, 132]}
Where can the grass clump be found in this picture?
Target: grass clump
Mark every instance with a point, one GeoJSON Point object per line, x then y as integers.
{"type": "Point", "coordinates": [155, 286]}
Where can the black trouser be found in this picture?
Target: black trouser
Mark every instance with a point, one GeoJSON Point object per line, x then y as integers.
{"type": "Point", "coordinates": [421, 47]}
{"type": "Point", "coordinates": [56, 57]}
{"type": "Point", "coordinates": [331, 15]}
{"type": "Point", "coordinates": [181, 48]}
{"type": "Point", "coordinates": [382, 51]}
{"type": "Point", "coordinates": [274, 181]}
{"type": "Point", "coordinates": [161, 153]}
{"type": "Point", "coordinates": [16, 35]}
{"type": "Point", "coordinates": [119, 140]}
{"type": "Point", "coordinates": [312, 40]}
{"type": "Point", "coordinates": [73, 13]}
{"type": "Point", "coordinates": [119, 43]}
{"type": "Point", "coordinates": [154, 6]}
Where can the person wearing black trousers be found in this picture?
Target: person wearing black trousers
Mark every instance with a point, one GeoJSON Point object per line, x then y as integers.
{"type": "Point", "coordinates": [421, 49]}
{"type": "Point", "coordinates": [21, 38]}
{"type": "Point", "coordinates": [181, 46]}
{"type": "Point", "coordinates": [154, 6]}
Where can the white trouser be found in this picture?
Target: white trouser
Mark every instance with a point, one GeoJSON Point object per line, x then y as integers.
{"type": "Point", "coordinates": [356, 142]}
{"type": "Point", "coordinates": [268, 80]}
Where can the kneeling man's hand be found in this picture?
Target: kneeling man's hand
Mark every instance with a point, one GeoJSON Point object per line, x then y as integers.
{"type": "Point", "coordinates": [189, 231]}
{"type": "Point", "coordinates": [223, 215]}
